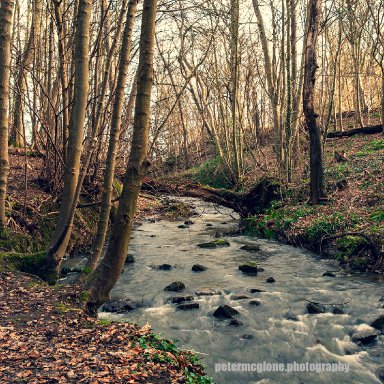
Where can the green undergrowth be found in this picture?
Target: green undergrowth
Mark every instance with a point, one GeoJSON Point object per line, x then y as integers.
{"type": "Point", "coordinates": [168, 352]}
{"type": "Point", "coordinates": [308, 226]}
{"type": "Point", "coordinates": [213, 173]}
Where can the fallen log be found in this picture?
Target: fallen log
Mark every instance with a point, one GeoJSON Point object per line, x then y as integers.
{"type": "Point", "coordinates": [252, 202]}
{"type": "Point", "coordinates": [357, 131]}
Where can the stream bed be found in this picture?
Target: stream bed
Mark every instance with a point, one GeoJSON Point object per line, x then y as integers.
{"type": "Point", "coordinates": [278, 329]}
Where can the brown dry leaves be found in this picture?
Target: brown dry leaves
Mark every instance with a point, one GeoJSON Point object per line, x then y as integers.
{"type": "Point", "coordinates": [44, 338]}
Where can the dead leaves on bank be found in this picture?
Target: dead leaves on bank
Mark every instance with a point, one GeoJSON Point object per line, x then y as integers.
{"type": "Point", "coordinates": [46, 339]}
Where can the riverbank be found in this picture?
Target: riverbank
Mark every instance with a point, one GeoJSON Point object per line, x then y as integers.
{"type": "Point", "coordinates": [348, 226]}
{"type": "Point", "coordinates": [46, 338]}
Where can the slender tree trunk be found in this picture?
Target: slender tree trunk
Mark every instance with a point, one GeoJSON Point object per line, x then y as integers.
{"type": "Point", "coordinates": [17, 136]}
{"type": "Point", "coordinates": [63, 73]}
{"type": "Point", "coordinates": [6, 9]}
{"type": "Point", "coordinates": [76, 129]}
{"type": "Point", "coordinates": [106, 204]}
{"type": "Point", "coordinates": [272, 92]}
{"type": "Point", "coordinates": [107, 273]}
{"type": "Point", "coordinates": [382, 96]}
{"type": "Point", "coordinates": [235, 10]}
{"type": "Point", "coordinates": [316, 159]}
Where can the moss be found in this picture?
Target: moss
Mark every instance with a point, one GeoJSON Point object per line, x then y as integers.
{"type": "Point", "coordinates": [105, 322]}
{"type": "Point", "coordinates": [30, 263]}
{"type": "Point", "coordinates": [65, 308]}
{"type": "Point", "coordinates": [118, 187]}
{"type": "Point", "coordinates": [219, 243]}
{"type": "Point", "coordinates": [84, 296]}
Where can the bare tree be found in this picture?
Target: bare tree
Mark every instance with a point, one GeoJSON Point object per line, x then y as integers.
{"type": "Point", "coordinates": [311, 66]}
{"type": "Point", "coordinates": [107, 273]}
{"type": "Point", "coordinates": [6, 10]}
{"type": "Point", "coordinates": [76, 129]}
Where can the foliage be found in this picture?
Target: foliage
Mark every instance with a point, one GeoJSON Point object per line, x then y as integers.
{"type": "Point", "coordinates": [213, 173]}
{"type": "Point", "coordinates": [371, 148]}
{"type": "Point", "coordinates": [275, 220]}
{"type": "Point", "coordinates": [325, 226]}
{"type": "Point", "coordinates": [349, 246]}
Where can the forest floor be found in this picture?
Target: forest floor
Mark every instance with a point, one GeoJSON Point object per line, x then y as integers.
{"type": "Point", "coordinates": [46, 338]}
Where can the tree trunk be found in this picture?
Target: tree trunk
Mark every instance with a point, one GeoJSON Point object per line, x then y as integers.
{"type": "Point", "coordinates": [114, 138]}
{"type": "Point", "coordinates": [6, 9]}
{"type": "Point", "coordinates": [235, 10]}
{"type": "Point", "coordinates": [272, 91]}
{"type": "Point", "coordinates": [17, 137]}
{"type": "Point", "coordinates": [316, 157]}
{"type": "Point", "coordinates": [61, 35]}
{"type": "Point", "coordinates": [76, 128]}
{"type": "Point", "coordinates": [107, 273]}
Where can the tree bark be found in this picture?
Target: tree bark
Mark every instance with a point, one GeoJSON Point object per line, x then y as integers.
{"type": "Point", "coordinates": [316, 156]}
{"type": "Point", "coordinates": [272, 91]}
{"type": "Point", "coordinates": [6, 9]}
{"type": "Point", "coordinates": [106, 204]}
{"type": "Point", "coordinates": [107, 273]}
{"type": "Point", "coordinates": [76, 128]}
{"type": "Point", "coordinates": [235, 11]}
{"type": "Point", "coordinates": [17, 137]}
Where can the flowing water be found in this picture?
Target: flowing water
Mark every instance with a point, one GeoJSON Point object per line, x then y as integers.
{"type": "Point", "coordinates": [266, 335]}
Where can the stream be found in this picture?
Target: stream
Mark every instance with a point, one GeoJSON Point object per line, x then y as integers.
{"type": "Point", "coordinates": [279, 330]}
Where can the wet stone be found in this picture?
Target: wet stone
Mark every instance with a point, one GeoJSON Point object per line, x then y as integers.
{"type": "Point", "coordinates": [187, 306]}
{"type": "Point", "coordinates": [315, 308]}
{"type": "Point", "coordinates": [251, 248]}
{"type": "Point", "coordinates": [249, 268]}
{"type": "Point", "coordinates": [129, 259]}
{"type": "Point", "coordinates": [291, 317]}
{"type": "Point", "coordinates": [235, 323]}
{"type": "Point", "coordinates": [337, 310]}
{"type": "Point", "coordinates": [208, 293]}
{"type": "Point", "coordinates": [328, 274]}
{"type": "Point", "coordinates": [219, 243]}
{"type": "Point", "coordinates": [176, 286]}
{"type": "Point", "coordinates": [379, 323]}
{"type": "Point", "coordinates": [198, 268]}
{"type": "Point", "coordinates": [120, 306]}
{"type": "Point", "coordinates": [365, 337]}
{"type": "Point", "coordinates": [380, 373]}
{"type": "Point", "coordinates": [179, 299]}
{"type": "Point", "coordinates": [239, 297]}
{"type": "Point", "coordinates": [256, 290]}
{"type": "Point", "coordinates": [163, 267]}
{"type": "Point", "coordinates": [225, 312]}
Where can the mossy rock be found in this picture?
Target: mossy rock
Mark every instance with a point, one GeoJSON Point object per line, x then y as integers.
{"type": "Point", "coordinates": [251, 248]}
{"type": "Point", "coordinates": [219, 243]}
{"type": "Point", "coordinates": [249, 268]}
